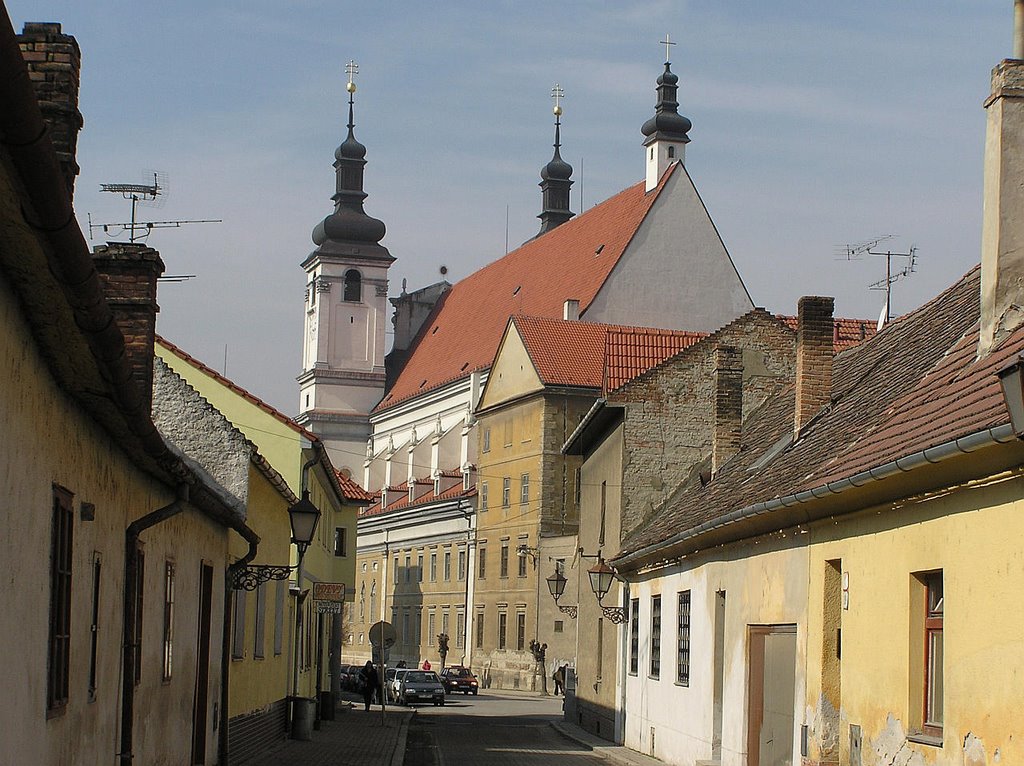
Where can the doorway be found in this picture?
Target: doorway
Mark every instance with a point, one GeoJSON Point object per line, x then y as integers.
{"type": "Point", "coordinates": [772, 695]}
{"type": "Point", "coordinates": [200, 706]}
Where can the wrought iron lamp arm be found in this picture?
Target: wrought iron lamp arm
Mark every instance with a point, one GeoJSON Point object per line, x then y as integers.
{"type": "Point", "coordinates": [252, 576]}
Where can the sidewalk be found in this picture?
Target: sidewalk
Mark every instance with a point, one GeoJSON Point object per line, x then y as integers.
{"type": "Point", "coordinates": [354, 738]}
{"type": "Point", "coordinates": [602, 747]}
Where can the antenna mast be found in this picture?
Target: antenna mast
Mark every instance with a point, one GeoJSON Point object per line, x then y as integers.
{"type": "Point", "coordinates": [137, 193]}
{"type": "Point", "coordinates": [854, 252]}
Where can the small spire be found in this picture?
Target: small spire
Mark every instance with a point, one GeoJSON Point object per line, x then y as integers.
{"type": "Point", "coordinates": [556, 176]}
{"type": "Point", "coordinates": [349, 223]}
{"type": "Point", "coordinates": [667, 42]}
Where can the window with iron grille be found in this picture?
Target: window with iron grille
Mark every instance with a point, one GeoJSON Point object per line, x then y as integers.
{"type": "Point", "coordinates": [59, 649]}
{"type": "Point", "coordinates": [655, 637]}
{"type": "Point", "coordinates": [683, 639]}
{"type": "Point", "coordinates": [634, 636]}
{"type": "Point", "coordinates": [168, 643]}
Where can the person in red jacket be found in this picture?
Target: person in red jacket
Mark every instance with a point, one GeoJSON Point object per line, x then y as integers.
{"type": "Point", "coordinates": [426, 664]}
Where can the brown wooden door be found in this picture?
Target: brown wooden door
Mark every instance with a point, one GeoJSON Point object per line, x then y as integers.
{"type": "Point", "coordinates": [771, 695]}
{"type": "Point", "coordinates": [201, 704]}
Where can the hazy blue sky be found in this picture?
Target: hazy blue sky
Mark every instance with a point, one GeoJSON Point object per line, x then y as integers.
{"type": "Point", "coordinates": [815, 124]}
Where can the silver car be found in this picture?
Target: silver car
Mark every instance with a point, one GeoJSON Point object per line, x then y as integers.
{"type": "Point", "coordinates": [393, 682]}
{"type": "Point", "coordinates": [420, 686]}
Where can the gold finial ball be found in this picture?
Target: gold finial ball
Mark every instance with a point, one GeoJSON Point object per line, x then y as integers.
{"type": "Point", "coordinates": [350, 87]}
{"type": "Point", "coordinates": [558, 111]}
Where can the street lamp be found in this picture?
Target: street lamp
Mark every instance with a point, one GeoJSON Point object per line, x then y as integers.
{"type": "Point", "coordinates": [601, 576]}
{"type": "Point", "coordinates": [556, 585]}
{"type": "Point", "coordinates": [1011, 379]}
{"type": "Point", "coordinates": [304, 517]}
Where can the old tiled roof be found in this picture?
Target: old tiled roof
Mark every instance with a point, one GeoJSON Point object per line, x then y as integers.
{"type": "Point", "coordinates": [428, 498]}
{"type": "Point", "coordinates": [914, 385]}
{"type": "Point", "coordinates": [353, 491]}
{"type": "Point", "coordinates": [571, 262]}
{"type": "Point", "coordinates": [847, 332]}
{"type": "Point", "coordinates": [585, 354]}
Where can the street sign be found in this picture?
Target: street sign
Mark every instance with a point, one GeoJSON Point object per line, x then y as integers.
{"type": "Point", "coordinates": [329, 591]}
{"type": "Point", "coordinates": [383, 634]}
{"type": "Point", "coordinates": [328, 607]}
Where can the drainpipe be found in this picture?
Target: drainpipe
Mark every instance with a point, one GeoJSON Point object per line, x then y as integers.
{"type": "Point", "coordinates": [225, 644]}
{"type": "Point", "coordinates": [129, 647]}
{"type": "Point", "coordinates": [304, 481]}
{"type": "Point", "coordinates": [467, 514]}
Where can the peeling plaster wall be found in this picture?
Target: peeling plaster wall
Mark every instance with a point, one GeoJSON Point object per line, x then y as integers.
{"type": "Point", "coordinates": [972, 533]}
{"type": "Point", "coordinates": [765, 581]}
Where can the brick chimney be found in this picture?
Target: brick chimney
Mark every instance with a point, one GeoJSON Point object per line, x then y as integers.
{"type": "Point", "coordinates": [54, 65]}
{"type": "Point", "coordinates": [1002, 231]}
{"type": "Point", "coordinates": [814, 351]}
{"type": "Point", "coordinates": [728, 405]}
{"type": "Point", "coordinates": [129, 273]}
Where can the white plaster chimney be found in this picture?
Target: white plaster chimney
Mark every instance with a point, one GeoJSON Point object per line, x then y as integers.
{"type": "Point", "coordinates": [1002, 233]}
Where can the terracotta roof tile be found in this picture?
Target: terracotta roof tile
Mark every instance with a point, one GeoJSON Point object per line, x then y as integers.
{"type": "Point", "coordinates": [570, 262]}
{"type": "Point", "coordinates": [914, 385]}
{"type": "Point", "coordinates": [632, 351]}
{"type": "Point", "coordinates": [428, 498]}
{"type": "Point", "coordinates": [352, 490]}
{"type": "Point", "coordinates": [847, 332]}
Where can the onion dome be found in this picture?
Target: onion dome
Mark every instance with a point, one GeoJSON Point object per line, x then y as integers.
{"type": "Point", "coordinates": [667, 123]}
{"type": "Point", "coordinates": [556, 178]}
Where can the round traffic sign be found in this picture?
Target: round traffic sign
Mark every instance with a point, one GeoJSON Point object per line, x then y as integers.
{"type": "Point", "coordinates": [383, 634]}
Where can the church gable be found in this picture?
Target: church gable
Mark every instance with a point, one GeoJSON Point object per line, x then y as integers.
{"type": "Point", "coordinates": [676, 271]}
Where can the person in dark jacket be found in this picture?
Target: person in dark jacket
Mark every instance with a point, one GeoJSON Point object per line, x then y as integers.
{"type": "Point", "coordinates": [368, 681]}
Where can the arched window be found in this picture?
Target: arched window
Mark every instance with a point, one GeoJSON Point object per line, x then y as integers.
{"type": "Point", "coordinates": [353, 286]}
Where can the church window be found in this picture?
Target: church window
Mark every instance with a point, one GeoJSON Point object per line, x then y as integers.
{"type": "Point", "coordinates": [353, 286]}
{"type": "Point", "coordinates": [671, 152]}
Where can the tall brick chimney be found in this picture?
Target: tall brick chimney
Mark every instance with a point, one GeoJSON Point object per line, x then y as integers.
{"type": "Point", "coordinates": [129, 273]}
{"type": "Point", "coordinates": [1002, 229]}
{"type": "Point", "coordinates": [728, 406]}
{"type": "Point", "coordinates": [54, 65]}
{"type": "Point", "coordinates": [814, 351]}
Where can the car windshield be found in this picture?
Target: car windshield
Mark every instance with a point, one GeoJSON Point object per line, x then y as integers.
{"type": "Point", "coordinates": [420, 677]}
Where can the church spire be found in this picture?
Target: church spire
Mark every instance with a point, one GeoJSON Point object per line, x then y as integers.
{"type": "Point", "coordinates": [556, 177]}
{"type": "Point", "coordinates": [665, 134]}
{"type": "Point", "coordinates": [349, 223]}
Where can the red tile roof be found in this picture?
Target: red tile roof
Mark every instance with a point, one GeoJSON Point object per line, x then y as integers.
{"type": "Point", "coordinates": [427, 498]}
{"type": "Point", "coordinates": [847, 332]}
{"type": "Point", "coordinates": [592, 355]}
{"type": "Point", "coordinates": [571, 262]}
{"type": "Point", "coordinates": [353, 491]}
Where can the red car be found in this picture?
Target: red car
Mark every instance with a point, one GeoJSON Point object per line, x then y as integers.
{"type": "Point", "coordinates": [459, 679]}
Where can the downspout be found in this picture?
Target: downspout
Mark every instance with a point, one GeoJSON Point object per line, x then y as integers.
{"type": "Point", "coordinates": [129, 647]}
{"type": "Point", "coordinates": [304, 481]}
{"type": "Point", "coordinates": [223, 748]}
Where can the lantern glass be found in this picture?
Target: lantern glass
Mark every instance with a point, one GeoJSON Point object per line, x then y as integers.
{"type": "Point", "coordinates": [601, 577]}
{"type": "Point", "coordinates": [304, 517]}
{"type": "Point", "coordinates": [556, 584]}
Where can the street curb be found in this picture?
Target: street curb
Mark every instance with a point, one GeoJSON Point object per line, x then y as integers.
{"type": "Point", "coordinates": [398, 756]}
{"type": "Point", "coordinates": [608, 752]}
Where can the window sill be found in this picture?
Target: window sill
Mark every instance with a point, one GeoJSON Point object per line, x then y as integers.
{"type": "Point", "coordinates": [925, 739]}
{"type": "Point", "coordinates": [681, 685]}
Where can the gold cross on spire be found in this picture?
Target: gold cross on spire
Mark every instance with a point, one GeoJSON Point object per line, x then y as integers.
{"type": "Point", "coordinates": [557, 94]}
{"type": "Point", "coordinates": [351, 69]}
{"type": "Point", "coordinates": [667, 42]}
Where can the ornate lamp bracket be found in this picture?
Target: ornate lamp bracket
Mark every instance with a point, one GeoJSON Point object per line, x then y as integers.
{"type": "Point", "coordinates": [615, 614]}
{"type": "Point", "coordinates": [251, 577]}
{"type": "Point", "coordinates": [569, 610]}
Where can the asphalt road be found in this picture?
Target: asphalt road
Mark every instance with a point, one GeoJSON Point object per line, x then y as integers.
{"type": "Point", "coordinates": [493, 728]}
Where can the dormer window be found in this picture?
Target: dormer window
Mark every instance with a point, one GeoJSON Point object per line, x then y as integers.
{"type": "Point", "coordinates": [353, 286]}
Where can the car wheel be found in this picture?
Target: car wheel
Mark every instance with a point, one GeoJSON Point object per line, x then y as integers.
{"type": "Point", "coordinates": [474, 692]}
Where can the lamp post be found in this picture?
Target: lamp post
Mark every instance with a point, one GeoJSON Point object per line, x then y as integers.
{"type": "Point", "coordinates": [304, 517]}
{"type": "Point", "coordinates": [556, 585]}
{"type": "Point", "coordinates": [601, 576]}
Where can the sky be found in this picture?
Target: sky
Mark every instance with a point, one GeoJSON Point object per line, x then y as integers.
{"type": "Point", "coordinates": [816, 125]}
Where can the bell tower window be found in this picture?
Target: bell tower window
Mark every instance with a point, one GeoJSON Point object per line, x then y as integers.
{"type": "Point", "coordinates": [353, 286]}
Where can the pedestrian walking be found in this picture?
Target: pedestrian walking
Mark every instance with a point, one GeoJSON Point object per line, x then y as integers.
{"type": "Point", "coordinates": [368, 681]}
{"type": "Point", "coordinates": [426, 664]}
{"type": "Point", "coordinates": [559, 678]}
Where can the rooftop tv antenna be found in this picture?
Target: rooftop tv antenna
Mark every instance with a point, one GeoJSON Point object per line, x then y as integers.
{"type": "Point", "coordinates": [870, 247]}
{"type": "Point", "coordinates": [148, 193]}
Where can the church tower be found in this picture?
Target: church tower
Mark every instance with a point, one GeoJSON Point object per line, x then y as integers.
{"type": "Point", "coordinates": [346, 311]}
{"type": "Point", "coordinates": [556, 178]}
{"type": "Point", "coordinates": [665, 136]}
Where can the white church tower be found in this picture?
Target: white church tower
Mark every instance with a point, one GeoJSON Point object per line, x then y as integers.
{"type": "Point", "coordinates": [346, 312]}
{"type": "Point", "coordinates": [665, 136]}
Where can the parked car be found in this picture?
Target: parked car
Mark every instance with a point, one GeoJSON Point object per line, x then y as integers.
{"type": "Point", "coordinates": [343, 677]}
{"type": "Point", "coordinates": [420, 686]}
{"type": "Point", "coordinates": [351, 680]}
{"type": "Point", "coordinates": [459, 679]}
{"type": "Point", "coordinates": [393, 682]}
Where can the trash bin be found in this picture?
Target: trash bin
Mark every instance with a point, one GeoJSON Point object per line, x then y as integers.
{"type": "Point", "coordinates": [326, 706]}
{"type": "Point", "coordinates": [303, 712]}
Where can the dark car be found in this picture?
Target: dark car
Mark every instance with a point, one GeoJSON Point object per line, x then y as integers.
{"type": "Point", "coordinates": [459, 679]}
{"type": "Point", "coordinates": [343, 677]}
{"type": "Point", "coordinates": [419, 686]}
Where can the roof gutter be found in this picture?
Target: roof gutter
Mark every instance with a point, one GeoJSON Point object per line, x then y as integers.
{"type": "Point", "coordinates": [940, 453]}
